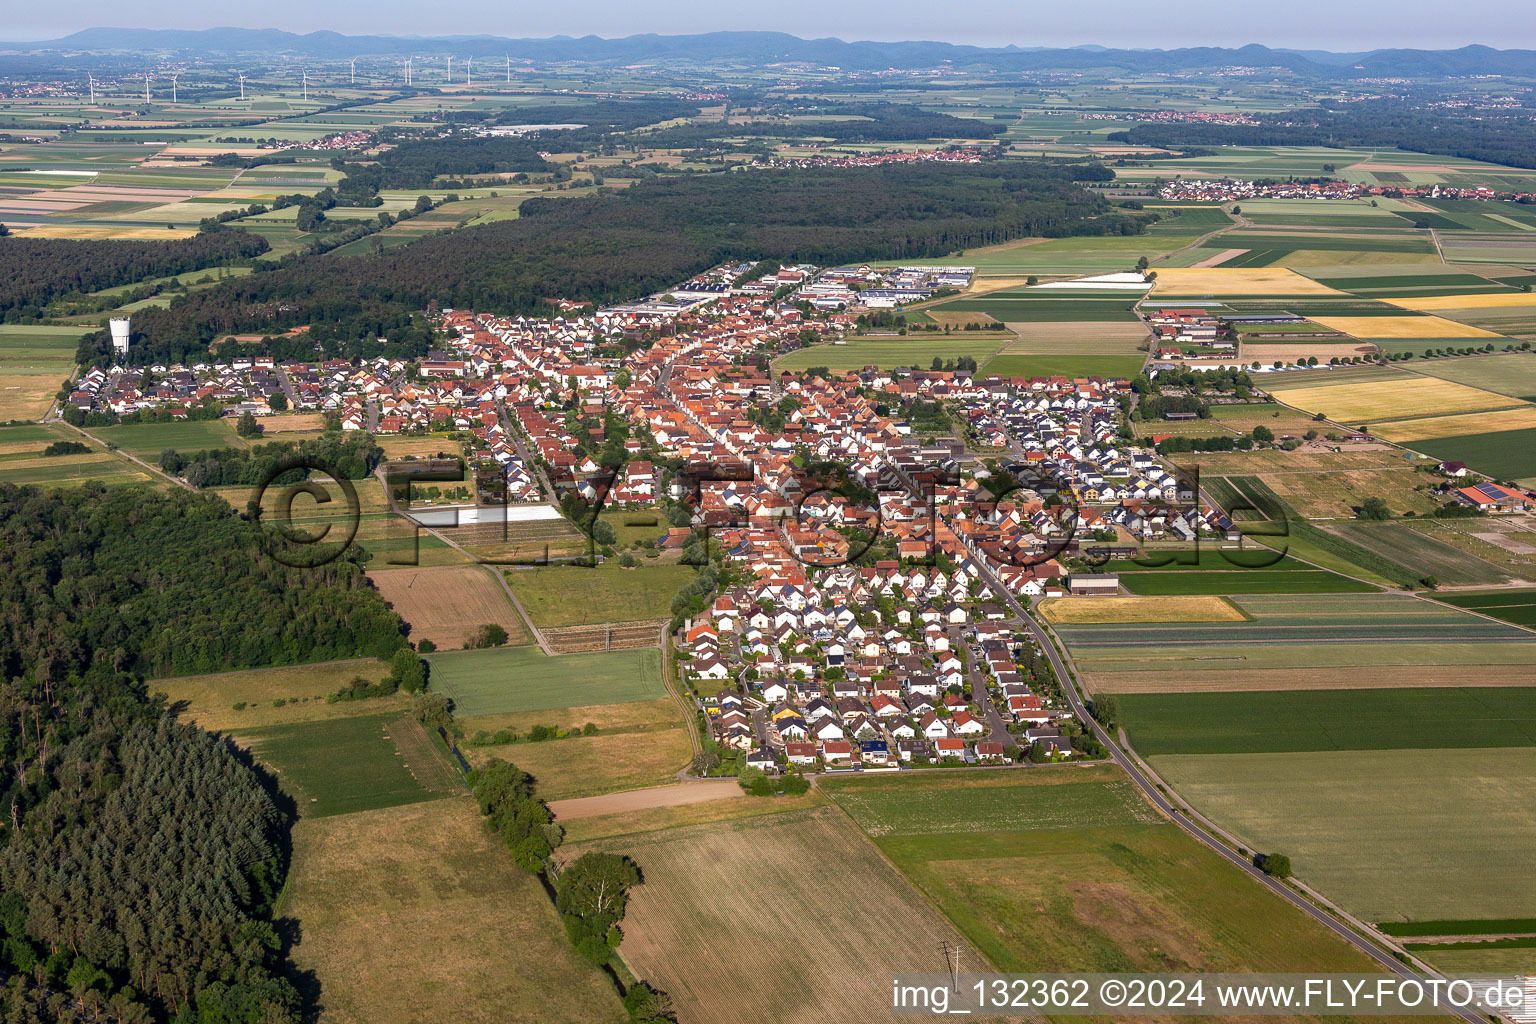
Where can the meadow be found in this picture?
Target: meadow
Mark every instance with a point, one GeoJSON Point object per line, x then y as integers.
{"type": "Point", "coordinates": [274, 696]}
{"type": "Point", "coordinates": [569, 595]}
{"type": "Point", "coordinates": [1503, 454]}
{"type": "Point", "coordinates": [510, 679]}
{"type": "Point", "coordinates": [148, 440]}
{"type": "Point", "coordinates": [720, 920]}
{"type": "Point", "coordinates": [1242, 581]}
{"type": "Point", "coordinates": [1420, 555]}
{"type": "Point", "coordinates": [432, 871]}
{"type": "Point", "coordinates": [343, 765]}
{"type": "Point", "coordinates": [1512, 374]}
{"type": "Point", "coordinates": [649, 753]}
{"type": "Point", "coordinates": [1068, 869]}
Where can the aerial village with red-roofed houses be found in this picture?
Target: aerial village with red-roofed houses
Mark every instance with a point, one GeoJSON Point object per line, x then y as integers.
{"type": "Point", "coordinates": [867, 573]}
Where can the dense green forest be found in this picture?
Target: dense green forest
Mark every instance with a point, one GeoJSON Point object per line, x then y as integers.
{"type": "Point", "coordinates": [35, 271]}
{"type": "Point", "coordinates": [619, 245]}
{"type": "Point", "coordinates": [140, 858]}
{"type": "Point", "coordinates": [1495, 136]}
{"type": "Point", "coordinates": [416, 164]}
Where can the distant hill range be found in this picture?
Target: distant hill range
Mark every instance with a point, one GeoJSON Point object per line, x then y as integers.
{"type": "Point", "coordinates": [760, 48]}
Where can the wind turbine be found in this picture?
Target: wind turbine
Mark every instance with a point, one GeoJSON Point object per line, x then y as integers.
{"type": "Point", "coordinates": [354, 70]}
{"type": "Point", "coordinates": [306, 86]}
{"type": "Point", "coordinates": [469, 62]}
{"type": "Point", "coordinates": [408, 70]}
{"type": "Point", "coordinates": [509, 67]}
{"type": "Point", "coordinates": [146, 87]}
{"type": "Point", "coordinates": [173, 87]}
{"type": "Point", "coordinates": [242, 88]}
{"type": "Point", "coordinates": [93, 88]}
{"type": "Point", "coordinates": [450, 70]}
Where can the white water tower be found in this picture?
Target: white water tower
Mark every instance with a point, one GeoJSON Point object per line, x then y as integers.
{"type": "Point", "coordinates": [119, 325]}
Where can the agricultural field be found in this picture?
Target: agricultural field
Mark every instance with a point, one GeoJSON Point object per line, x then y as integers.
{"type": "Point", "coordinates": [148, 440]}
{"type": "Point", "coordinates": [1030, 305]}
{"type": "Point", "coordinates": [510, 679]}
{"type": "Point", "coordinates": [1070, 869]}
{"type": "Point", "coordinates": [391, 542]}
{"type": "Point", "coordinates": [1392, 399]}
{"type": "Point", "coordinates": [1516, 606]}
{"type": "Point", "coordinates": [1456, 718]}
{"type": "Point", "coordinates": [1435, 303]}
{"type": "Point", "coordinates": [360, 763]}
{"type": "Point", "coordinates": [41, 350]}
{"type": "Point", "coordinates": [1455, 825]}
{"type": "Point", "coordinates": [890, 353]}
{"type": "Point", "coordinates": [1512, 374]}
{"type": "Point", "coordinates": [1094, 610]}
{"type": "Point", "coordinates": [569, 595]}
{"type": "Point", "coordinates": [1295, 641]}
{"type": "Point", "coordinates": [647, 749]}
{"type": "Point", "coordinates": [1241, 581]}
{"type": "Point", "coordinates": [1422, 555]}
{"type": "Point", "coordinates": [433, 870]}
{"type": "Point", "coordinates": [1323, 494]}
{"type": "Point", "coordinates": [1399, 327]}
{"type": "Point", "coordinates": [448, 605]}
{"type": "Point", "coordinates": [713, 891]}
{"type": "Point", "coordinates": [255, 698]}
{"type": "Point", "coordinates": [1220, 281]}
{"type": "Point", "coordinates": [1069, 257]}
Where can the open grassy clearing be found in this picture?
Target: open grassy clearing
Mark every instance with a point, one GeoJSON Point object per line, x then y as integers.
{"type": "Point", "coordinates": [210, 700]}
{"type": "Point", "coordinates": [39, 349]}
{"type": "Point", "coordinates": [31, 467]}
{"type": "Point", "coordinates": [1461, 718]}
{"type": "Point", "coordinates": [1081, 875]}
{"type": "Point", "coordinates": [579, 766]}
{"type": "Point", "coordinates": [1065, 610]}
{"type": "Point", "coordinates": [148, 440]}
{"type": "Point", "coordinates": [343, 765]}
{"type": "Point", "coordinates": [1455, 825]}
{"type": "Point", "coordinates": [448, 605]}
{"type": "Point", "coordinates": [714, 892]}
{"type": "Point", "coordinates": [393, 543]}
{"type": "Point", "coordinates": [511, 679]}
{"type": "Point", "coordinates": [27, 395]}
{"type": "Point", "coordinates": [568, 595]}
{"type": "Point", "coordinates": [1392, 399]}
{"type": "Point", "coordinates": [1028, 305]}
{"type": "Point", "coordinates": [432, 871]}
{"type": "Point", "coordinates": [1076, 337]}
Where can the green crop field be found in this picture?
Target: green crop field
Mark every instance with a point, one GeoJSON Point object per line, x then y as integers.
{"type": "Point", "coordinates": [1504, 454]}
{"type": "Point", "coordinates": [148, 440]}
{"type": "Point", "coordinates": [1070, 256]}
{"type": "Point", "coordinates": [1418, 555]}
{"type": "Point", "coordinates": [1512, 373]}
{"type": "Point", "coordinates": [1391, 835]}
{"type": "Point", "coordinates": [1064, 365]}
{"type": "Point", "coordinates": [1306, 720]}
{"type": "Point", "coordinates": [44, 350]}
{"type": "Point", "coordinates": [1022, 306]}
{"type": "Point", "coordinates": [348, 764]}
{"type": "Point", "coordinates": [1515, 606]}
{"type": "Point", "coordinates": [889, 353]}
{"type": "Point", "coordinates": [1242, 581]}
{"type": "Point", "coordinates": [508, 679]}
{"type": "Point", "coordinates": [569, 595]}
{"type": "Point", "coordinates": [1068, 869]}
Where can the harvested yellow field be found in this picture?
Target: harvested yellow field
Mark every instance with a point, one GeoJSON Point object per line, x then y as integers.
{"type": "Point", "coordinates": [1085, 610]}
{"type": "Point", "coordinates": [132, 231]}
{"type": "Point", "coordinates": [1520, 418]}
{"type": "Point", "coordinates": [1433, 302]}
{"type": "Point", "coordinates": [1335, 258]}
{"type": "Point", "coordinates": [1402, 327]}
{"type": "Point", "coordinates": [1392, 399]}
{"type": "Point", "coordinates": [1236, 281]}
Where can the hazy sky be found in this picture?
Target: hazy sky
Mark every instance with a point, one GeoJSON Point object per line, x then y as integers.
{"type": "Point", "coordinates": [1309, 24]}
